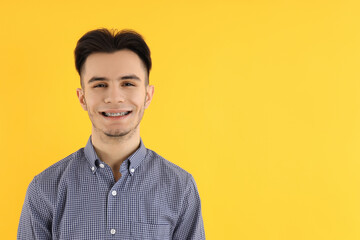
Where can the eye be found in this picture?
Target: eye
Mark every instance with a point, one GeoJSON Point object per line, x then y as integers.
{"type": "Point", "coordinates": [128, 84]}
{"type": "Point", "coordinates": [100, 85]}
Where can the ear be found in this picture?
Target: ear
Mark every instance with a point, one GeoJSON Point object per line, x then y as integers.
{"type": "Point", "coordinates": [81, 96]}
{"type": "Point", "coordinates": [149, 95]}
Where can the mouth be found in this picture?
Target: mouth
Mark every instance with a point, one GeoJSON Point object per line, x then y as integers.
{"type": "Point", "coordinates": [115, 114]}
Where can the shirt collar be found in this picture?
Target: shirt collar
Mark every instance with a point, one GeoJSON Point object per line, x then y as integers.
{"type": "Point", "coordinates": [135, 159]}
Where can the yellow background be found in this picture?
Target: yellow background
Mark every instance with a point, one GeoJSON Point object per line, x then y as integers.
{"type": "Point", "coordinates": [259, 100]}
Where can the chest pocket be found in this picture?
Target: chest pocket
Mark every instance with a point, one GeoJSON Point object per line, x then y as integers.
{"type": "Point", "coordinates": [144, 231]}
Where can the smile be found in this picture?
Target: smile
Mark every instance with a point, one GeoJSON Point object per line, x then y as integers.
{"type": "Point", "coordinates": [115, 114]}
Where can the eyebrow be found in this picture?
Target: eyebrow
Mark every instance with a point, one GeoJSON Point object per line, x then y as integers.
{"type": "Point", "coordinates": [126, 77]}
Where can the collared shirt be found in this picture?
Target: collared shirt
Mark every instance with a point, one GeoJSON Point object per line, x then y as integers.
{"type": "Point", "coordinates": [78, 198]}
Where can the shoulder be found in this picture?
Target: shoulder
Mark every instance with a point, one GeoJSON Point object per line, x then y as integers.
{"type": "Point", "coordinates": [166, 170]}
{"type": "Point", "coordinates": [56, 170]}
{"type": "Point", "coordinates": [48, 181]}
{"type": "Point", "coordinates": [177, 184]}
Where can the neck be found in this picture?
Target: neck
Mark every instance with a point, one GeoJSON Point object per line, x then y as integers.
{"type": "Point", "coordinates": [114, 150]}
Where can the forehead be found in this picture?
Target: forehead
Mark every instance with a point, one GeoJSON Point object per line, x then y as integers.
{"type": "Point", "coordinates": [113, 65]}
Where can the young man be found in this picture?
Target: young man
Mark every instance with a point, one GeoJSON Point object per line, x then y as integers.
{"type": "Point", "coordinates": [114, 188]}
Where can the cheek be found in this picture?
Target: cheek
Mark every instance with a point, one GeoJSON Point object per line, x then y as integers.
{"type": "Point", "coordinates": [137, 98]}
{"type": "Point", "coordinates": [92, 100]}
{"type": "Point", "coordinates": [140, 101]}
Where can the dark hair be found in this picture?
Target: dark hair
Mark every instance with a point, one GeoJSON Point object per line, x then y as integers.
{"type": "Point", "coordinates": [104, 40]}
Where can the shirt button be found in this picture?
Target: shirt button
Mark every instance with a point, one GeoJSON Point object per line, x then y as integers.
{"type": "Point", "coordinates": [114, 194]}
{"type": "Point", "coordinates": [132, 170]}
{"type": "Point", "coordinates": [112, 231]}
{"type": "Point", "coordinates": [101, 165]}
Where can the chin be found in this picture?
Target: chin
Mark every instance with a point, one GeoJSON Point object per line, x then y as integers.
{"type": "Point", "coordinates": [116, 133]}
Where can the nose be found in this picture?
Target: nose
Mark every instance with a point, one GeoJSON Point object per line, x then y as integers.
{"type": "Point", "coordinates": [114, 95]}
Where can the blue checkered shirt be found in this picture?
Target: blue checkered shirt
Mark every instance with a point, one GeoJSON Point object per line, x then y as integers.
{"type": "Point", "coordinates": [78, 198]}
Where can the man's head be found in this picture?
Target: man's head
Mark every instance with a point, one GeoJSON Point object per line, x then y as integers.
{"type": "Point", "coordinates": [114, 70]}
{"type": "Point", "coordinates": [103, 40]}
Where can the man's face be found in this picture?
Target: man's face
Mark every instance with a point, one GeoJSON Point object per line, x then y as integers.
{"type": "Point", "coordinates": [114, 92]}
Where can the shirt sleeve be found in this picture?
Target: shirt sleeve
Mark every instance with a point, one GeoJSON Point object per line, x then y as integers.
{"type": "Point", "coordinates": [190, 224]}
{"type": "Point", "coordinates": [35, 219]}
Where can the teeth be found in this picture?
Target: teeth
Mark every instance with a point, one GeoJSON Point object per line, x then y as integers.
{"type": "Point", "coordinates": [116, 114]}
